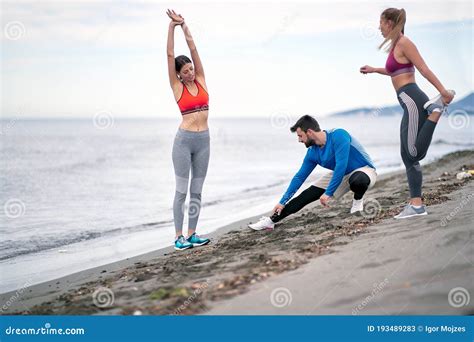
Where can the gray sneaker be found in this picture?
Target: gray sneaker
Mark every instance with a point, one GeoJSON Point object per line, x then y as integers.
{"type": "Point", "coordinates": [437, 102]}
{"type": "Point", "coordinates": [411, 211]}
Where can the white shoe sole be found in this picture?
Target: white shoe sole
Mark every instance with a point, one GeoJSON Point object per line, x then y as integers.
{"type": "Point", "coordinates": [437, 99]}
{"type": "Point", "coordinates": [258, 229]}
{"type": "Point", "coordinates": [182, 249]}
{"type": "Point", "coordinates": [201, 244]}
{"type": "Point", "coordinates": [404, 217]}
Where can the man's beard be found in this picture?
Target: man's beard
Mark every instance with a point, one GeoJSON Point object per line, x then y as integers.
{"type": "Point", "coordinates": [309, 143]}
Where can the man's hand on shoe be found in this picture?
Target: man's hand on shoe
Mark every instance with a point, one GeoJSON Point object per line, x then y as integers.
{"type": "Point", "coordinates": [278, 208]}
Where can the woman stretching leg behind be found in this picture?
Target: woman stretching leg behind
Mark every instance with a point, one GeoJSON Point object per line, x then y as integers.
{"type": "Point", "coordinates": [420, 115]}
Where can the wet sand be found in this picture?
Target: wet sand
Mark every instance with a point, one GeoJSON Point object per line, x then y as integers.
{"type": "Point", "coordinates": [310, 254]}
{"type": "Point", "coordinates": [396, 268]}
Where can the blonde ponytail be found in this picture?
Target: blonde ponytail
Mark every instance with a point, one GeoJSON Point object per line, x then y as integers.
{"type": "Point", "coordinates": [398, 17]}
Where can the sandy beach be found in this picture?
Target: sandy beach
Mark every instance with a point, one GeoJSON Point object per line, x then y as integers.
{"type": "Point", "coordinates": [318, 261]}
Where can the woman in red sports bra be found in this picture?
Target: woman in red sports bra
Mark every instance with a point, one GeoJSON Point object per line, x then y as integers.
{"type": "Point", "coordinates": [191, 148]}
{"type": "Point", "coordinates": [420, 115]}
{"type": "Point", "coordinates": [187, 80]}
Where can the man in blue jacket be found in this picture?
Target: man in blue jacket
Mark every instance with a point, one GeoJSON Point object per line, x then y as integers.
{"type": "Point", "coordinates": [336, 150]}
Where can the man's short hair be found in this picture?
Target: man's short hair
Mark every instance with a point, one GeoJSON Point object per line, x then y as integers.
{"type": "Point", "coordinates": [306, 122]}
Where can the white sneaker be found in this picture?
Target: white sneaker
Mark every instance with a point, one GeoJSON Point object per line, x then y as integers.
{"type": "Point", "coordinates": [437, 101]}
{"type": "Point", "coordinates": [357, 205]}
{"type": "Point", "coordinates": [264, 223]}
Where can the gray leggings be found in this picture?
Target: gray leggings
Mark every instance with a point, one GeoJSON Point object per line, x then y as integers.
{"type": "Point", "coordinates": [416, 132]}
{"type": "Point", "coordinates": [191, 152]}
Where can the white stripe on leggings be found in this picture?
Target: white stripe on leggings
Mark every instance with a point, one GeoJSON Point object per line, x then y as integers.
{"type": "Point", "coordinates": [412, 122]}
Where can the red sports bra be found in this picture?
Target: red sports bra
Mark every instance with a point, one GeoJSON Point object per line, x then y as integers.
{"type": "Point", "coordinates": [189, 104]}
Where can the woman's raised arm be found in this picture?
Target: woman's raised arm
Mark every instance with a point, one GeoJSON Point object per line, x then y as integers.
{"type": "Point", "coordinates": [175, 21]}
{"type": "Point", "coordinates": [194, 53]}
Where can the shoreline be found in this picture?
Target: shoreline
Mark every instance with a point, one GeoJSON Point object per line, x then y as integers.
{"type": "Point", "coordinates": [237, 265]}
{"type": "Point", "coordinates": [128, 261]}
{"type": "Point", "coordinates": [95, 271]}
{"type": "Point", "coordinates": [45, 291]}
{"type": "Point", "coordinates": [139, 220]}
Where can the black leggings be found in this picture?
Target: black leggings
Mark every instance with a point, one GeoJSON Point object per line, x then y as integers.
{"type": "Point", "coordinates": [416, 132]}
{"type": "Point", "coordinates": [358, 181]}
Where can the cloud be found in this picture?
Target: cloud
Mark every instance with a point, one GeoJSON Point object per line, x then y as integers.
{"type": "Point", "coordinates": [259, 57]}
{"type": "Point", "coordinates": [131, 24]}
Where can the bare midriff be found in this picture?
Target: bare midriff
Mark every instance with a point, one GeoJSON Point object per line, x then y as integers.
{"type": "Point", "coordinates": [196, 121]}
{"type": "Point", "coordinates": [403, 79]}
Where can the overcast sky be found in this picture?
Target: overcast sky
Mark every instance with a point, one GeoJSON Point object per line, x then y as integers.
{"type": "Point", "coordinates": [76, 58]}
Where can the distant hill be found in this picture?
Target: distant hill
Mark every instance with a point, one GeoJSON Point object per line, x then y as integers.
{"type": "Point", "coordinates": [466, 104]}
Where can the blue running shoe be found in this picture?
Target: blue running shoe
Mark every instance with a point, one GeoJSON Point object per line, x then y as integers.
{"type": "Point", "coordinates": [181, 244]}
{"type": "Point", "coordinates": [195, 240]}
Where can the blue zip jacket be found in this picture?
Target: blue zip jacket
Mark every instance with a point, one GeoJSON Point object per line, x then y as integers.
{"type": "Point", "coordinates": [341, 153]}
